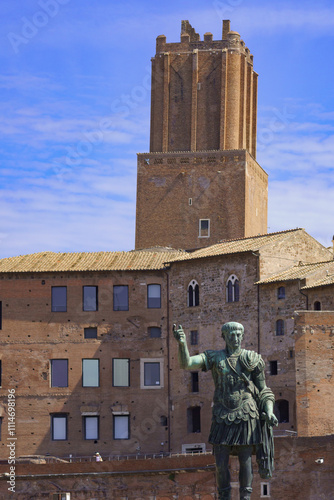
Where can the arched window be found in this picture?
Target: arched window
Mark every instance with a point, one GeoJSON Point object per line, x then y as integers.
{"type": "Point", "coordinates": [281, 411]}
{"type": "Point", "coordinates": [193, 294]}
{"type": "Point", "coordinates": [279, 327]}
{"type": "Point", "coordinates": [232, 289]}
{"type": "Point", "coordinates": [317, 305]}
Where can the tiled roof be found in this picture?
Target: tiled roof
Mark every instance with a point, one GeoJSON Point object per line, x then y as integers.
{"type": "Point", "coordinates": [298, 272]}
{"type": "Point", "coordinates": [328, 280]}
{"type": "Point", "coordinates": [234, 246]}
{"type": "Point", "coordinates": [88, 261]}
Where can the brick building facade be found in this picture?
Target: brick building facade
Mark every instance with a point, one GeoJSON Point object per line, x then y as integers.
{"type": "Point", "coordinates": [87, 344]}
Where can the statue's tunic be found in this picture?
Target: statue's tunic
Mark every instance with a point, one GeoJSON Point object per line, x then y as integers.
{"type": "Point", "coordinates": [235, 415]}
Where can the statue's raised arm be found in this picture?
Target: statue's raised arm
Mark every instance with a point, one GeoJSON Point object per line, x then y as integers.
{"type": "Point", "coordinates": [186, 361]}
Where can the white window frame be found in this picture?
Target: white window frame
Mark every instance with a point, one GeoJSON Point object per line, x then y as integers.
{"type": "Point", "coordinates": [192, 284]}
{"type": "Point", "coordinates": [200, 235]}
{"type": "Point", "coordinates": [268, 490]}
{"type": "Point", "coordinates": [143, 361]}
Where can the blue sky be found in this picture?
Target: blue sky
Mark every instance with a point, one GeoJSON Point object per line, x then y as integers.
{"type": "Point", "coordinates": [75, 107]}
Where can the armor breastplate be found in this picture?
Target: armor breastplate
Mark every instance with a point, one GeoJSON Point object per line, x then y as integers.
{"type": "Point", "coordinates": [232, 400]}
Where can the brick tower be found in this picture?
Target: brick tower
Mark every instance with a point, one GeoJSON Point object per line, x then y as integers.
{"type": "Point", "coordinates": [200, 183]}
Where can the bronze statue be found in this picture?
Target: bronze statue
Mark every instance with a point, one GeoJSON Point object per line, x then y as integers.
{"type": "Point", "coordinates": [242, 414]}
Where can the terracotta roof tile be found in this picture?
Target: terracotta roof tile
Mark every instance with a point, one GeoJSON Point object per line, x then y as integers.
{"type": "Point", "coordinates": [234, 246]}
{"type": "Point", "coordinates": [88, 261]}
{"type": "Point", "coordinates": [298, 272]}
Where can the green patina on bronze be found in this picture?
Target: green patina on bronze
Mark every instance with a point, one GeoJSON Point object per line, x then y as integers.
{"type": "Point", "coordinates": [242, 413]}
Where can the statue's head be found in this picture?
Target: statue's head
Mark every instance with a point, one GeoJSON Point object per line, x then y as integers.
{"type": "Point", "coordinates": [232, 326]}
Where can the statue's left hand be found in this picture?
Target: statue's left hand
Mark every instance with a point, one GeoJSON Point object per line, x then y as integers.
{"type": "Point", "coordinates": [271, 419]}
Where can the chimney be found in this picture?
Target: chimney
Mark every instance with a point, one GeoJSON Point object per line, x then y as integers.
{"type": "Point", "coordinates": [226, 28]}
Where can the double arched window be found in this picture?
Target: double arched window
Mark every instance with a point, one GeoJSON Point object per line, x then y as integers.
{"type": "Point", "coordinates": [232, 289]}
{"type": "Point", "coordinates": [193, 294]}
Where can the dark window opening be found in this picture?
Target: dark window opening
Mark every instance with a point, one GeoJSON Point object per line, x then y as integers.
{"type": "Point", "coordinates": [153, 296]}
{"type": "Point", "coordinates": [154, 332]}
{"type": "Point", "coordinates": [59, 372]}
{"type": "Point", "coordinates": [281, 411]}
{"type": "Point", "coordinates": [90, 298]}
{"type": "Point", "coordinates": [59, 299]}
{"type": "Point", "coordinates": [194, 382]}
{"type": "Point", "coordinates": [90, 333]}
{"type": "Point", "coordinates": [194, 337]}
{"type": "Point", "coordinates": [121, 298]}
{"type": "Point", "coordinates": [281, 292]}
{"type": "Point", "coordinates": [194, 419]}
{"type": "Point", "coordinates": [273, 367]}
{"type": "Point", "coordinates": [0, 315]}
{"type": "Point", "coordinates": [279, 327]}
{"type": "Point", "coordinates": [163, 421]}
{"type": "Point", "coordinates": [152, 374]}
{"type": "Point", "coordinates": [204, 228]}
{"type": "Point", "coordinates": [317, 305]}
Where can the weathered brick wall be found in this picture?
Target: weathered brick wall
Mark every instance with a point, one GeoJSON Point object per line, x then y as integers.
{"type": "Point", "coordinates": [314, 372]}
{"type": "Point", "coordinates": [296, 476]}
{"type": "Point", "coordinates": [204, 95]}
{"type": "Point", "coordinates": [175, 191]}
{"type": "Point", "coordinates": [213, 310]}
{"type": "Point", "coordinates": [32, 335]}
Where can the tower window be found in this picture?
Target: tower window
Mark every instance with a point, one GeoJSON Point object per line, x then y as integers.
{"type": "Point", "coordinates": [193, 294]}
{"type": "Point", "coordinates": [204, 228]}
{"type": "Point", "coordinates": [232, 289]}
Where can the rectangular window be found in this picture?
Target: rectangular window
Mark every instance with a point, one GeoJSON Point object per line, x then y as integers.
{"type": "Point", "coordinates": [204, 228]}
{"type": "Point", "coordinates": [61, 496]}
{"type": "Point", "coordinates": [0, 315]}
{"type": "Point", "coordinates": [90, 298]}
{"type": "Point", "coordinates": [120, 372]}
{"type": "Point", "coordinates": [90, 373]}
{"type": "Point", "coordinates": [193, 337]}
{"type": "Point", "coordinates": [59, 427]}
{"type": "Point", "coordinates": [90, 333]}
{"type": "Point", "coordinates": [194, 419]}
{"type": "Point", "coordinates": [91, 427]}
{"type": "Point", "coordinates": [153, 296]}
{"type": "Point", "coordinates": [1, 418]}
{"type": "Point", "coordinates": [265, 490]}
{"type": "Point", "coordinates": [273, 367]}
{"type": "Point", "coordinates": [281, 292]}
{"type": "Point", "coordinates": [121, 426]}
{"type": "Point", "coordinates": [0, 373]}
{"type": "Point", "coordinates": [194, 382]}
{"type": "Point", "coordinates": [121, 298]}
{"type": "Point", "coordinates": [154, 332]}
{"type": "Point", "coordinates": [59, 372]}
{"type": "Point", "coordinates": [58, 298]}
{"type": "Point", "coordinates": [151, 374]}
